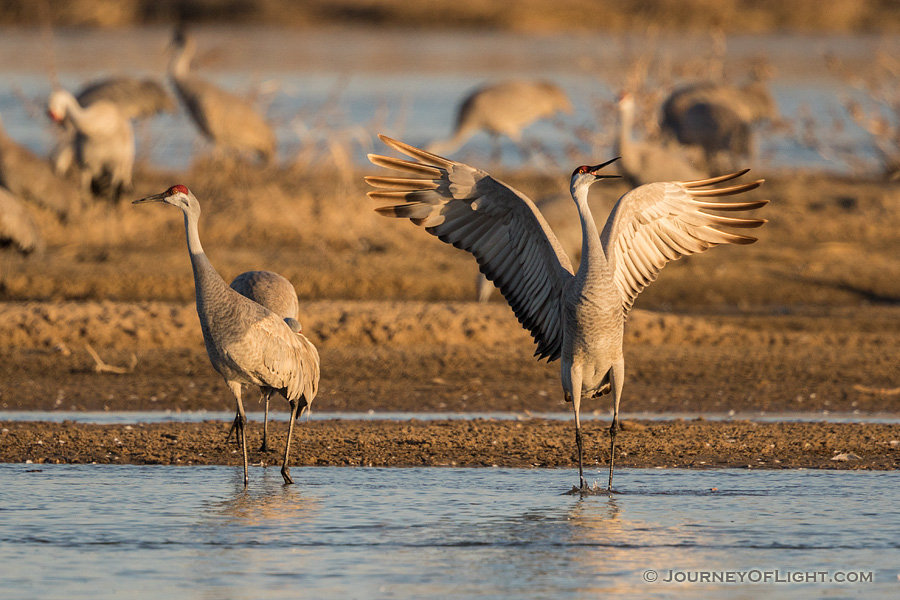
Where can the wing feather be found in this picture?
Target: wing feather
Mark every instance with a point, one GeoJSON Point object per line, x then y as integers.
{"type": "Point", "coordinates": [504, 230]}
{"type": "Point", "coordinates": [659, 222]}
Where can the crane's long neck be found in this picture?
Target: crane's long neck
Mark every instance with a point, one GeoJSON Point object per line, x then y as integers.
{"type": "Point", "coordinates": [180, 64]}
{"type": "Point", "coordinates": [626, 124]}
{"type": "Point", "coordinates": [208, 284]}
{"type": "Point", "coordinates": [75, 114]}
{"type": "Point", "coordinates": [593, 259]}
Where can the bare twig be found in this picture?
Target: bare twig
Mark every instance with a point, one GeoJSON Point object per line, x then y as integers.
{"type": "Point", "coordinates": [880, 391]}
{"type": "Point", "coordinates": [102, 367]}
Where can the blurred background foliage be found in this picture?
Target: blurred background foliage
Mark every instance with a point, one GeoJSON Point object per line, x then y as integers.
{"type": "Point", "coordinates": [748, 16]}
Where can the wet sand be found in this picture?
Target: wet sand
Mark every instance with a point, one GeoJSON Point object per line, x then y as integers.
{"type": "Point", "coordinates": [477, 443]}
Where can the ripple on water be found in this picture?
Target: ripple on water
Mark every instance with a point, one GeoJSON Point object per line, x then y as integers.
{"type": "Point", "coordinates": [159, 532]}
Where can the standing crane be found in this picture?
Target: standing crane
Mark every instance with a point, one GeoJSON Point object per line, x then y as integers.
{"type": "Point", "coordinates": [226, 120]}
{"type": "Point", "coordinates": [576, 316]}
{"type": "Point", "coordinates": [278, 295]}
{"type": "Point", "coordinates": [504, 108]}
{"type": "Point", "coordinates": [31, 178]}
{"type": "Point", "coordinates": [645, 161]}
{"type": "Point", "coordinates": [717, 117]}
{"type": "Point", "coordinates": [104, 143]}
{"type": "Point", "coordinates": [245, 341]}
{"type": "Point", "coordinates": [135, 98]}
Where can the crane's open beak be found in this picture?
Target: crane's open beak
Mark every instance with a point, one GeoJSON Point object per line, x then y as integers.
{"type": "Point", "coordinates": [604, 175]}
{"type": "Point", "coordinates": [154, 198]}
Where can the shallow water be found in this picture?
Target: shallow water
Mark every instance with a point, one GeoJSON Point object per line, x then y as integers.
{"type": "Point", "coordinates": [81, 531]}
{"type": "Point", "coordinates": [324, 90]}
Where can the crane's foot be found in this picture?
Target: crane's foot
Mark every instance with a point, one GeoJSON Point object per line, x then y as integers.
{"type": "Point", "coordinates": [286, 473]}
{"type": "Point", "coordinates": [264, 447]}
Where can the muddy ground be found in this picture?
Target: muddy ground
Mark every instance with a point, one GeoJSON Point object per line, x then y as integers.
{"type": "Point", "coordinates": [478, 443]}
{"type": "Point", "coordinates": [807, 319]}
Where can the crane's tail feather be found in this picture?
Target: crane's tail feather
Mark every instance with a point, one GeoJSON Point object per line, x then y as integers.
{"type": "Point", "coordinates": [713, 180]}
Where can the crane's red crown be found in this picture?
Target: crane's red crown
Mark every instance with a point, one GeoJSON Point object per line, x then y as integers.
{"type": "Point", "coordinates": [581, 170]}
{"type": "Point", "coordinates": [175, 189]}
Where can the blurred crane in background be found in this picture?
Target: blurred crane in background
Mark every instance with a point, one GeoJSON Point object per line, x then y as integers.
{"type": "Point", "coordinates": [31, 178]}
{"type": "Point", "coordinates": [17, 227]}
{"type": "Point", "coordinates": [104, 143]}
{"type": "Point", "coordinates": [136, 99]}
{"type": "Point", "coordinates": [505, 108]}
{"type": "Point", "coordinates": [718, 118]}
{"type": "Point", "coordinates": [645, 161]}
{"type": "Point", "coordinates": [226, 120]}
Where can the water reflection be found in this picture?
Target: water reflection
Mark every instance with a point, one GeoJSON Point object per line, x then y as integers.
{"type": "Point", "coordinates": [167, 532]}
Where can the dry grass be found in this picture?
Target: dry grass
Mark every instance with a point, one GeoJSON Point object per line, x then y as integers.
{"type": "Point", "coordinates": [829, 241]}
{"type": "Point", "coordinates": [522, 15]}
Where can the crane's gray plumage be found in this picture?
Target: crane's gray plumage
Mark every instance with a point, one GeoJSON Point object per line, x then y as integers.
{"type": "Point", "coordinates": [135, 98]}
{"type": "Point", "coordinates": [226, 120]}
{"type": "Point", "coordinates": [17, 226]}
{"type": "Point", "coordinates": [645, 161]}
{"type": "Point", "coordinates": [578, 317]}
{"type": "Point", "coordinates": [504, 108]}
{"type": "Point", "coordinates": [104, 143]}
{"type": "Point", "coordinates": [717, 117]}
{"type": "Point", "coordinates": [245, 341]}
{"type": "Point", "coordinates": [278, 295]}
{"type": "Point", "coordinates": [32, 179]}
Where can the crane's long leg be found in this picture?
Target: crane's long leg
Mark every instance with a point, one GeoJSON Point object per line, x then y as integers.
{"type": "Point", "coordinates": [266, 393]}
{"type": "Point", "coordinates": [617, 378]}
{"type": "Point", "coordinates": [241, 420]}
{"type": "Point", "coordinates": [234, 424]}
{"type": "Point", "coordinates": [285, 470]}
{"type": "Point", "coordinates": [576, 406]}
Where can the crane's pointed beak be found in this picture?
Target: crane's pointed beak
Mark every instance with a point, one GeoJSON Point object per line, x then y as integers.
{"type": "Point", "coordinates": [604, 175]}
{"type": "Point", "coordinates": [154, 198]}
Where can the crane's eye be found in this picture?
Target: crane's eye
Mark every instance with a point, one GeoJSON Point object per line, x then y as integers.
{"type": "Point", "coordinates": [176, 189]}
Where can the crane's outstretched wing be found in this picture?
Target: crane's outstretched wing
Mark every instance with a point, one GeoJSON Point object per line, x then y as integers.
{"type": "Point", "coordinates": [659, 222]}
{"type": "Point", "coordinates": [500, 226]}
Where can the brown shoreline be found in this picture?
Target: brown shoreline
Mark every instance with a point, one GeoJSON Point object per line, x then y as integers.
{"type": "Point", "coordinates": [526, 443]}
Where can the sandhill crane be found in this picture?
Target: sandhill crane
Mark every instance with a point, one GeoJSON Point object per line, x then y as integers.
{"type": "Point", "coordinates": [135, 99]}
{"type": "Point", "coordinates": [17, 227]}
{"type": "Point", "coordinates": [576, 316]}
{"type": "Point", "coordinates": [246, 342]}
{"type": "Point", "coordinates": [226, 120]}
{"type": "Point", "coordinates": [717, 117]}
{"type": "Point", "coordinates": [278, 295]}
{"type": "Point", "coordinates": [32, 179]}
{"type": "Point", "coordinates": [645, 161]}
{"type": "Point", "coordinates": [104, 143]}
{"type": "Point", "coordinates": [504, 109]}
